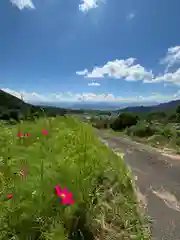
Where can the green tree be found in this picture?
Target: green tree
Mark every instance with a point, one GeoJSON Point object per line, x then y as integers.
{"type": "Point", "coordinates": [178, 113]}
{"type": "Point", "coordinates": [124, 120]}
{"type": "Point", "coordinates": [178, 110]}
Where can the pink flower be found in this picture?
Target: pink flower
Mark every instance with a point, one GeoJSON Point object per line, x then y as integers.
{"type": "Point", "coordinates": [45, 132]}
{"type": "Point", "coordinates": [20, 135]}
{"type": "Point", "coordinates": [66, 197]}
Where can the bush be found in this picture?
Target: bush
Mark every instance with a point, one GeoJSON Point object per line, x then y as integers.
{"type": "Point", "coordinates": [141, 130]}
{"type": "Point", "coordinates": [167, 132]}
{"type": "Point", "coordinates": [160, 116]}
{"type": "Point", "coordinates": [10, 115]}
{"type": "Point", "coordinates": [178, 113]}
{"type": "Point", "coordinates": [124, 120]}
{"type": "Point", "coordinates": [178, 110]}
{"type": "Point", "coordinates": [5, 116]}
{"type": "Point", "coordinates": [172, 118]}
{"type": "Point", "coordinates": [15, 115]}
{"type": "Point", "coordinates": [101, 123]}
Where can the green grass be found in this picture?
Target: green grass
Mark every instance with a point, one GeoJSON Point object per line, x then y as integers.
{"type": "Point", "coordinates": [72, 156]}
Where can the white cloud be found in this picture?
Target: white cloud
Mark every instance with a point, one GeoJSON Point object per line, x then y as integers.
{"type": "Point", "coordinates": [94, 84]}
{"type": "Point", "coordinates": [33, 97]}
{"type": "Point", "coordinates": [125, 69]}
{"type": "Point", "coordinates": [170, 77]}
{"type": "Point", "coordinates": [155, 97]}
{"type": "Point", "coordinates": [21, 4]}
{"type": "Point", "coordinates": [172, 57]}
{"type": "Point", "coordinates": [82, 73]}
{"type": "Point", "coordinates": [130, 16]}
{"type": "Point", "coordinates": [86, 5]}
{"type": "Point", "coordinates": [129, 71]}
{"type": "Point", "coordinates": [12, 92]}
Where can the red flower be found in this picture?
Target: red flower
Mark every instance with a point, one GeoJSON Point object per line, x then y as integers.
{"type": "Point", "coordinates": [10, 196]}
{"type": "Point", "coordinates": [20, 135]}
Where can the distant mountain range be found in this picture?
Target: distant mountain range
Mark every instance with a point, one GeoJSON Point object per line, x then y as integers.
{"type": "Point", "coordinates": [7, 101]}
{"type": "Point", "coordinates": [169, 106]}
{"type": "Point", "coordinates": [118, 107]}
{"type": "Point", "coordinates": [109, 106]}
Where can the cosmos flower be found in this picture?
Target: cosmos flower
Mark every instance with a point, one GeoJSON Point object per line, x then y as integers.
{"type": "Point", "coordinates": [66, 197]}
{"type": "Point", "coordinates": [44, 132]}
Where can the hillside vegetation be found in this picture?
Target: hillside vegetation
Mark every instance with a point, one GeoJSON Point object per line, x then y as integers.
{"type": "Point", "coordinates": [158, 128]}
{"type": "Point", "coordinates": [71, 156]}
{"type": "Point", "coordinates": [13, 109]}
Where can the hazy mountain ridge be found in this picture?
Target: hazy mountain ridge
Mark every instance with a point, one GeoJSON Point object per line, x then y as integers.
{"type": "Point", "coordinates": [8, 101]}
{"type": "Point", "coordinates": [169, 106]}
{"type": "Point", "coordinates": [110, 106]}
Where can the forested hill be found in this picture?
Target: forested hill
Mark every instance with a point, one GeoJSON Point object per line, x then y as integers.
{"type": "Point", "coordinates": [12, 107]}
{"type": "Point", "coordinates": [8, 101]}
{"type": "Point", "coordinates": [168, 107]}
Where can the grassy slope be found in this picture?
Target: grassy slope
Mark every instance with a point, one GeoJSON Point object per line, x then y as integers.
{"type": "Point", "coordinates": [73, 157]}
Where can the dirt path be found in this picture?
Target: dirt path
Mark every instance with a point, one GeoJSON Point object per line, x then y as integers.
{"type": "Point", "coordinates": [158, 179]}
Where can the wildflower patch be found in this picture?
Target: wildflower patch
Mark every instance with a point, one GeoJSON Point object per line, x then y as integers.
{"type": "Point", "coordinates": [20, 134]}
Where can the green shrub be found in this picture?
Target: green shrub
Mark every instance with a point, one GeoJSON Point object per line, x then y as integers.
{"type": "Point", "coordinates": [156, 116]}
{"type": "Point", "coordinates": [101, 123]}
{"type": "Point", "coordinates": [141, 130]}
{"type": "Point", "coordinates": [167, 132]}
{"type": "Point", "coordinates": [124, 120]}
{"type": "Point", "coordinates": [11, 115]}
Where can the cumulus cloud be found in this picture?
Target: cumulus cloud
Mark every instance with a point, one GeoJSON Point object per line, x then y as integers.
{"type": "Point", "coordinates": [130, 16]}
{"type": "Point", "coordinates": [172, 57]}
{"type": "Point", "coordinates": [130, 71]}
{"type": "Point", "coordinates": [125, 69]}
{"type": "Point", "coordinates": [21, 4]}
{"type": "Point", "coordinates": [33, 97]}
{"type": "Point", "coordinates": [170, 77]}
{"type": "Point", "coordinates": [86, 5]}
{"type": "Point", "coordinates": [94, 84]}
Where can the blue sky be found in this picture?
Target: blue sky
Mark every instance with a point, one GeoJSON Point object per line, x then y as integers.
{"type": "Point", "coordinates": [99, 50]}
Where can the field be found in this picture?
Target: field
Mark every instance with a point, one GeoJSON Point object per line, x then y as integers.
{"type": "Point", "coordinates": [70, 155]}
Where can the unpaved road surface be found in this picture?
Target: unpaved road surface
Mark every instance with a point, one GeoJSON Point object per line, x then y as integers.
{"type": "Point", "coordinates": [158, 179]}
